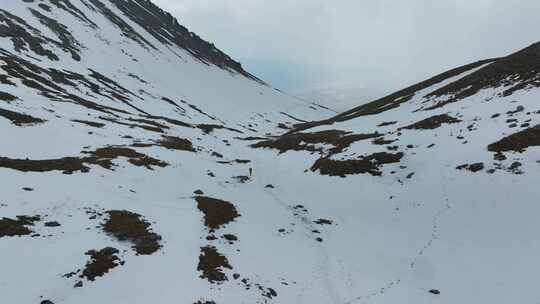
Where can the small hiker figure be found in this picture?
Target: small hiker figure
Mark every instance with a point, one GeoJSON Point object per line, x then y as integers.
{"type": "Point", "coordinates": [250, 172]}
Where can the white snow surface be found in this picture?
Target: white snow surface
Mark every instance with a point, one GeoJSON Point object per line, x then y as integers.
{"type": "Point", "coordinates": [472, 236]}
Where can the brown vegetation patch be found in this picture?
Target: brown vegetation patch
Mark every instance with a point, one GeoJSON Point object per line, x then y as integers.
{"type": "Point", "coordinates": [7, 97]}
{"type": "Point", "coordinates": [518, 141]}
{"type": "Point", "coordinates": [472, 167]}
{"type": "Point", "coordinates": [176, 143]}
{"type": "Point", "coordinates": [388, 123]}
{"type": "Point", "coordinates": [432, 122]}
{"type": "Point", "coordinates": [235, 161]}
{"type": "Point", "coordinates": [209, 128]}
{"type": "Point", "coordinates": [381, 141]}
{"type": "Point", "coordinates": [131, 227]}
{"type": "Point", "coordinates": [18, 227]}
{"type": "Point", "coordinates": [168, 142]}
{"type": "Point", "coordinates": [143, 126]}
{"type": "Point", "coordinates": [216, 212]}
{"type": "Point", "coordinates": [101, 262]}
{"type": "Point", "coordinates": [307, 141]}
{"type": "Point", "coordinates": [102, 157]}
{"type": "Point", "coordinates": [89, 123]}
{"type": "Point", "coordinates": [19, 119]}
{"type": "Point", "coordinates": [67, 165]}
{"type": "Point", "coordinates": [367, 164]}
{"type": "Point", "coordinates": [212, 264]}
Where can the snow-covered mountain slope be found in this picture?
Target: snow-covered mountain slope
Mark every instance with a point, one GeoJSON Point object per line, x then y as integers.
{"type": "Point", "coordinates": [432, 188]}
{"type": "Point", "coordinates": [139, 164]}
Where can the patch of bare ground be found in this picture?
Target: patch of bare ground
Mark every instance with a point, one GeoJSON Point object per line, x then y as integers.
{"type": "Point", "coordinates": [101, 262]}
{"type": "Point", "coordinates": [387, 123]}
{"type": "Point", "coordinates": [149, 122]}
{"type": "Point", "coordinates": [147, 127]}
{"type": "Point", "coordinates": [209, 128]}
{"type": "Point", "coordinates": [367, 164]}
{"type": "Point", "coordinates": [102, 157]}
{"type": "Point", "coordinates": [251, 138]}
{"type": "Point", "coordinates": [433, 122]}
{"type": "Point", "coordinates": [176, 143]}
{"type": "Point", "coordinates": [89, 123]}
{"type": "Point", "coordinates": [517, 142]}
{"type": "Point", "coordinates": [381, 141]}
{"type": "Point", "coordinates": [172, 121]}
{"type": "Point", "coordinates": [19, 119]}
{"type": "Point", "coordinates": [472, 167]}
{"type": "Point", "coordinates": [67, 165]}
{"type": "Point", "coordinates": [17, 227]}
{"type": "Point", "coordinates": [169, 142]}
{"type": "Point", "coordinates": [128, 226]}
{"type": "Point", "coordinates": [217, 213]}
{"type": "Point", "coordinates": [235, 161]}
{"type": "Point", "coordinates": [212, 264]}
{"type": "Point", "coordinates": [308, 141]}
{"type": "Point", "coordinates": [7, 97]}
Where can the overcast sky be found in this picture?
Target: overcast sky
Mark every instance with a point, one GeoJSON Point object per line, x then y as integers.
{"type": "Point", "coordinates": [379, 44]}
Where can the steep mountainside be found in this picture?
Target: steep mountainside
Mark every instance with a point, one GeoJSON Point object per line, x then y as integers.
{"type": "Point", "coordinates": [140, 164]}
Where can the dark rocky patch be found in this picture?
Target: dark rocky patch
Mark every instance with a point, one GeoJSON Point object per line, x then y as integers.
{"type": "Point", "coordinates": [101, 262]}
{"type": "Point", "coordinates": [176, 143]}
{"type": "Point", "coordinates": [323, 222]}
{"type": "Point", "coordinates": [209, 128]}
{"type": "Point", "coordinates": [19, 119]}
{"type": "Point", "coordinates": [67, 165]}
{"type": "Point", "coordinates": [472, 167]}
{"type": "Point", "coordinates": [381, 141]}
{"type": "Point", "coordinates": [89, 123]}
{"type": "Point", "coordinates": [104, 156]}
{"type": "Point", "coordinates": [17, 227]}
{"type": "Point", "coordinates": [212, 264]}
{"type": "Point", "coordinates": [242, 179]}
{"type": "Point", "coordinates": [216, 212]}
{"type": "Point", "coordinates": [368, 164]}
{"type": "Point", "coordinates": [7, 97]}
{"type": "Point", "coordinates": [432, 122]}
{"type": "Point", "coordinates": [231, 238]}
{"type": "Point", "coordinates": [68, 43]}
{"type": "Point", "coordinates": [131, 227]}
{"type": "Point", "coordinates": [52, 224]}
{"type": "Point", "coordinates": [308, 141]}
{"type": "Point", "coordinates": [235, 161]}
{"type": "Point", "coordinates": [518, 142]}
{"type": "Point", "coordinates": [435, 292]}
{"type": "Point", "coordinates": [388, 123]}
